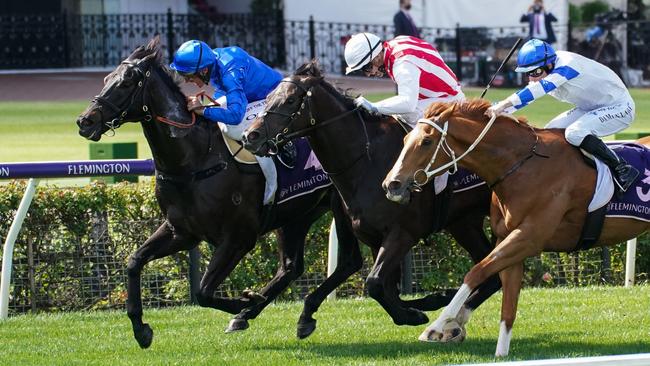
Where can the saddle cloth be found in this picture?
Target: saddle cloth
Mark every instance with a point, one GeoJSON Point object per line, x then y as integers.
{"type": "Point", "coordinates": [635, 203]}
{"type": "Point", "coordinates": [236, 149]}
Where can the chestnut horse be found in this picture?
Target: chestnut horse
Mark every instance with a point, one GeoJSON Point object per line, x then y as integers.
{"type": "Point", "coordinates": [357, 149]}
{"type": "Point", "coordinates": [541, 190]}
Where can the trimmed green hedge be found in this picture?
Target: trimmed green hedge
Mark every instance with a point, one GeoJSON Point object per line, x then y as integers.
{"type": "Point", "coordinates": [75, 242]}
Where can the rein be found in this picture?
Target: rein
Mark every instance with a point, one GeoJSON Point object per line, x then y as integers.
{"type": "Point", "coordinates": [287, 134]}
{"type": "Point", "coordinates": [444, 146]}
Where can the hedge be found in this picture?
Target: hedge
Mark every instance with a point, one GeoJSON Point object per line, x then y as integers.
{"type": "Point", "coordinates": [74, 245]}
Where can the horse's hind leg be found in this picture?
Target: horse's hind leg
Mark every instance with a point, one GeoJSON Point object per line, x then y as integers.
{"type": "Point", "coordinates": [349, 261]}
{"type": "Point", "coordinates": [161, 244]}
{"type": "Point", "coordinates": [225, 257]}
{"type": "Point", "coordinates": [291, 243]}
{"type": "Point", "coordinates": [382, 283]}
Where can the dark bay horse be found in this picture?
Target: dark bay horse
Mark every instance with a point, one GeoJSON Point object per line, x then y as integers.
{"type": "Point", "coordinates": [542, 188]}
{"type": "Point", "coordinates": [203, 193]}
{"type": "Point", "coordinates": [357, 150]}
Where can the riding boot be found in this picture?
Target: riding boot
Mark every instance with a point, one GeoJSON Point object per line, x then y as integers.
{"type": "Point", "coordinates": [624, 173]}
{"type": "Point", "coordinates": [271, 174]}
{"type": "Point", "coordinates": [288, 155]}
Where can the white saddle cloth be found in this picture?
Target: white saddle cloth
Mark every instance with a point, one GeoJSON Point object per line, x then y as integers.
{"type": "Point", "coordinates": [604, 187]}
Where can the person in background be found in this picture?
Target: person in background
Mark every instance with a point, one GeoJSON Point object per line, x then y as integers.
{"type": "Point", "coordinates": [404, 25]}
{"type": "Point", "coordinates": [539, 22]}
{"type": "Point", "coordinates": [603, 105]}
{"type": "Point", "coordinates": [421, 75]}
{"type": "Point", "coordinates": [241, 83]}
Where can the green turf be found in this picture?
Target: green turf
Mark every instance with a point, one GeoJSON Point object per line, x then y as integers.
{"type": "Point", "coordinates": [552, 323]}
{"type": "Point", "coordinates": [45, 131]}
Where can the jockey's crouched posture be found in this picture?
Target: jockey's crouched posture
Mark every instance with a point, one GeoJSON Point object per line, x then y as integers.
{"type": "Point", "coordinates": [241, 83]}
{"type": "Point", "coordinates": [603, 104]}
{"type": "Point", "coordinates": [421, 75]}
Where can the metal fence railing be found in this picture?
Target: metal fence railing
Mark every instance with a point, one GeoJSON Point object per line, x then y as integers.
{"type": "Point", "coordinates": [82, 40]}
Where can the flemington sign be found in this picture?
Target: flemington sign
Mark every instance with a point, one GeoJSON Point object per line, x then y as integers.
{"type": "Point", "coordinates": [70, 169]}
{"type": "Point", "coordinates": [53, 169]}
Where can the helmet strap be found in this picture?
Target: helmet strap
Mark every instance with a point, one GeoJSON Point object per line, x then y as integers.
{"type": "Point", "coordinates": [369, 54]}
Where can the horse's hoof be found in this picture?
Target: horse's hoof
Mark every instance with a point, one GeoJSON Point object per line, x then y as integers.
{"type": "Point", "coordinates": [453, 335]}
{"type": "Point", "coordinates": [237, 325]}
{"type": "Point", "coordinates": [253, 296]}
{"type": "Point", "coordinates": [305, 329]}
{"type": "Point", "coordinates": [413, 317]}
{"type": "Point", "coordinates": [144, 336]}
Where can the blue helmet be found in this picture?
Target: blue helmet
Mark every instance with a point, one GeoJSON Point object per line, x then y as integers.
{"type": "Point", "coordinates": [534, 54]}
{"type": "Point", "coordinates": [192, 56]}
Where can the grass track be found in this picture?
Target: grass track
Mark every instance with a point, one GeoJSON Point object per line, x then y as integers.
{"type": "Point", "coordinates": [552, 323]}
{"type": "Point", "coordinates": [45, 131]}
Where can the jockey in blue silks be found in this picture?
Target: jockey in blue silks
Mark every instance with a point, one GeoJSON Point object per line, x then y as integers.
{"type": "Point", "coordinates": [603, 105]}
{"type": "Point", "coordinates": [241, 84]}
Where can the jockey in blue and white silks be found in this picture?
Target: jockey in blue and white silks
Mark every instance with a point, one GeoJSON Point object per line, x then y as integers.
{"type": "Point", "coordinates": [241, 84]}
{"type": "Point", "coordinates": [603, 105]}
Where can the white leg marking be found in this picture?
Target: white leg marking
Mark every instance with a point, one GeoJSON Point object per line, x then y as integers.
{"type": "Point", "coordinates": [448, 313]}
{"type": "Point", "coordinates": [503, 345]}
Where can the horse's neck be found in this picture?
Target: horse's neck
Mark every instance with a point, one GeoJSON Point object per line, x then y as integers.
{"type": "Point", "coordinates": [505, 145]}
{"type": "Point", "coordinates": [341, 148]}
{"type": "Point", "coordinates": [177, 155]}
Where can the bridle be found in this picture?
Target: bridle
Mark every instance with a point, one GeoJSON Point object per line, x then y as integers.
{"type": "Point", "coordinates": [288, 132]}
{"type": "Point", "coordinates": [444, 146]}
{"type": "Point", "coordinates": [122, 111]}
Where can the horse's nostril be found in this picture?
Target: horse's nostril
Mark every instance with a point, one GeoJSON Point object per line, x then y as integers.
{"type": "Point", "coordinates": [394, 185]}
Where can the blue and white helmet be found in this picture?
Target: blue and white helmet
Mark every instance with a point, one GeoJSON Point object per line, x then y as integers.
{"type": "Point", "coordinates": [534, 54]}
{"type": "Point", "coordinates": [192, 56]}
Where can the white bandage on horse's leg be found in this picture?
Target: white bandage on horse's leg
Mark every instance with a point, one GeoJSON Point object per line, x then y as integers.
{"type": "Point", "coordinates": [503, 345]}
{"type": "Point", "coordinates": [452, 309]}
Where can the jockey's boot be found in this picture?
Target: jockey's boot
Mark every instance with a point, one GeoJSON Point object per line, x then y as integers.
{"type": "Point", "coordinates": [288, 155]}
{"type": "Point", "coordinates": [624, 173]}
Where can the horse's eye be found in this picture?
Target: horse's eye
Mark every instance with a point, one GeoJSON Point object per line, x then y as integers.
{"type": "Point", "coordinates": [426, 141]}
{"type": "Point", "coordinates": [291, 100]}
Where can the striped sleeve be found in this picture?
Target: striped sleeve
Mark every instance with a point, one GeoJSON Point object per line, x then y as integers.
{"type": "Point", "coordinates": [537, 89]}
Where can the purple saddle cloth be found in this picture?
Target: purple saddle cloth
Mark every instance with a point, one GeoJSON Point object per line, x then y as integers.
{"type": "Point", "coordinates": [307, 175]}
{"type": "Point", "coordinates": [635, 203]}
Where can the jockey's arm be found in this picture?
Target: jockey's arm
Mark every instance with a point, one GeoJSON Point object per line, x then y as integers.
{"type": "Point", "coordinates": [542, 87]}
{"type": "Point", "coordinates": [407, 78]}
{"type": "Point", "coordinates": [233, 114]}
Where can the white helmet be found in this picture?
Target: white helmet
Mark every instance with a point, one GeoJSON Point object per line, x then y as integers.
{"type": "Point", "coordinates": [361, 49]}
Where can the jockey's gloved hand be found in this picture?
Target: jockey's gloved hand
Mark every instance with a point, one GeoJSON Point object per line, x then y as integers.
{"type": "Point", "coordinates": [498, 108]}
{"type": "Point", "coordinates": [364, 103]}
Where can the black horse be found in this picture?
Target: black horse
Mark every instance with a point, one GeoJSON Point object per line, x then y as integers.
{"type": "Point", "coordinates": [358, 149]}
{"type": "Point", "coordinates": [203, 192]}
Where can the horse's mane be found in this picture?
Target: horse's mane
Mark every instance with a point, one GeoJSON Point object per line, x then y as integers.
{"type": "Point", "coordinates": [472, 108]}
{"type": "Point", "coordinates": [168, 76]}
{"type": "Point", "coordinates": [312, 69]}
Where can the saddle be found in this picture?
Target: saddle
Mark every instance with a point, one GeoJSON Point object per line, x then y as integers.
{"type": "Point", "coordinates": [238, 152]}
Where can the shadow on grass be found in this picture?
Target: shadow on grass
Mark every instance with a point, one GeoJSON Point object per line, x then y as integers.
{"type": "Point", "coordinates": [543, 347]}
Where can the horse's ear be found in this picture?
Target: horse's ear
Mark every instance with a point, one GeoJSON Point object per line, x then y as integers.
{"type": "Point", "coordinates": [153, 47]}
{"type": "Point", "coordinates": [446, 114]}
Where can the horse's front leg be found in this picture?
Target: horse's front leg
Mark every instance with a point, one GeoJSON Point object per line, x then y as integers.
{"type": "Point", "coordinates": [225, 257]}
{"type": "Point", "coordinates": [525, 241]}
{"type": "Point", "coordinates": [511, 278]}
{"type": "Point", "coordinates": [161, 244]}
{"type": "Point", "coordinates": [382, 283]}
